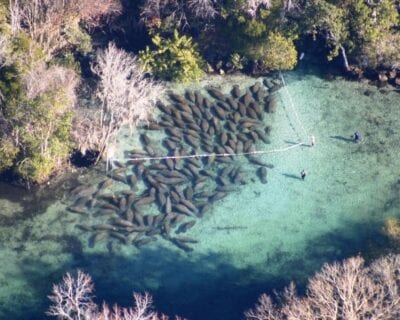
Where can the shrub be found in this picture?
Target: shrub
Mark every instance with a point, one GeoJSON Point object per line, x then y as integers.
{"type": "Point", "coordinates": [36, 169]}
{"type": "Point", "coordinates": [392, 228]}
{"type": "Point", "coordinates": [176, 59]}
{"type": "Point", "coordinates": [8, 153]}
{"type": "Point", "coordinates": [279, 53]}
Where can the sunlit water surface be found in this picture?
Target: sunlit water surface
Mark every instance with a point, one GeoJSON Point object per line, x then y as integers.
{"type": "Point", "coordinates": [258, 238]}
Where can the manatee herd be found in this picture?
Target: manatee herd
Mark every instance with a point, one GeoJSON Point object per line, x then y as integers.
{"type": "Point", "coordinates": [165, 197]}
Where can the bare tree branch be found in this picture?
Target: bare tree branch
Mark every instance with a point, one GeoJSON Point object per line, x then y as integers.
{"type": "Point", "coordinates": [252, 6]}
{"type": "Point", "coordinates": [203, 8]}
{"type": "Point", "coordinates": [341, 291]}
{"type": "Point", "coordinates": [126, 96]}
{"type": "Point", "coordinates": [73, 300]}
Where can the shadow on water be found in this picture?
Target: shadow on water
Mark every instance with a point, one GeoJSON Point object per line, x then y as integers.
{"type": "Point", "coordinates": [196, 287]}
{"type": "Point", "coordinates": [342, 138]}
{"type": "Point", "coordinates": [206, 288]}
{"type": "Point", "coordinates": [293, 176]}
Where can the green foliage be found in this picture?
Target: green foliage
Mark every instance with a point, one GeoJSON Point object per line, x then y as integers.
{"type": "Point", "coordinates": [176, 59]}
{"type": "Point", "coordinates": [374, 40]}
{"type": "Point", "coordinates": [79, 38]}
{"type": "Point", "coordinates": [8, 153]}
{"type": "Point", "coordinates": [36, 169]}
{"type": "Point", "coordinates": [279, 53]}
{"type": "Point", "coordinates": [328, 20]}
{"type": "Point", "coordinates": [236, 60]}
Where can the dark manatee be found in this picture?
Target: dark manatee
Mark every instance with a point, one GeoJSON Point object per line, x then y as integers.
{"type": "Point", "coordinates": [262, 174]}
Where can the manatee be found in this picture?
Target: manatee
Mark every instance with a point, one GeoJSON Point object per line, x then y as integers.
{"type": "Point", "coordinates": [138, 218]}
{"type": "Point", "coordinates": [219, 112]}
{"type": "Point", "coordinates": [223, 138]}
{"type": "Point", "coordinates": [129, 215]}
{"type": "Point", "coordinates": [162, 107]}
{"type": "Point", "coordinates": [77, 210]}
{"type": "Point", "coordinates": [196, 111]}
{"type": "Point", "coordinates": [148, 220]}
{"type": "Point", "coordinates": [144, 201]}
{"type": "Point", "coordinates": [232, 103]}
{"type": "Point", "coordinates": [198, 98]}
{"type": "Point", "coordinates": [190, 96]}
{"type": "Point", "coordinates": [188, 192]}
{"type": "Point", "coordinates": [105, 184]}
{"type": "Point", "coordinates": [176, 97]}
{"type": "Point", "coordinates": [104, 212]}
{"type": "Point", "coordinates": [186, 239]}
{"type": "Point", "coordinates": [182, 245]}
{"type": "Point", "coordinates": [83, 227]}
{"type": "Point", "coordinates": [97, 237]}
{"type": "Point", "coordinates": [123, 223]}
{"type": "Point", "coordinates": [171, 145]}
{"type": "Point", "coordinates": [153, 232]}
{"type": "Point", "coordinates": [215, 93]}
{"type": "Point", "coordinates": [218, 196]}
{"type": "Point", "coordinates": [145, 139]}
{"type": "Point", "coordinates": [185, 226]}
{"type": "Point", "coordinates": [258, 161]}
{"type": "Point", "coordinates": [251, 113]}
{"type": "Point", "coordinates": [268, 83]}
{"type": "Point", "coordinates": [179, 123]}
{"type": "Point", "coordinates": [189, 205]}
{"type": "Point", "coordinates": [236, 91]}
{"type": "Point", "coordinates": [262, 174]}
{"type": "Point", "coordinates": [194, 127]}
{"type": "Point", "coordinates": [224, 106]}
{"type": "Point", "coordinates": [242, 109]}
{"type": "Point", "coordinates": [226, 188]}
{"type": "Point", "coordinates": [183, 209]}
{"type": "Point", "coordinates": [132, 180]}
{"type": "Point", "coordinates": [104, 226]}
{"type": "Point", "coordinates": [184, 107]}
{"type": "Point", "coordinates": [246, 98]}
{"type": "Point", "coordinates": [204, 125]}
{"type": "Point", "coordinates": [271, 105]}
{"type": "Point", "coordinates": [141, 242]}
{"type": "Point", "coordinates": [173, 132]}
{"type": "Point", "coordinates": [168, 205]}
{"type": "Point", "coordinates": [230, 126]}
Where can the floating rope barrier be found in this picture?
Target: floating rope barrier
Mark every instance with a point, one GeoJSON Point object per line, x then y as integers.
{"type": "Point", "coordinates": [204, 155]}
{"type": "Point", "coordinates": [292, 106]}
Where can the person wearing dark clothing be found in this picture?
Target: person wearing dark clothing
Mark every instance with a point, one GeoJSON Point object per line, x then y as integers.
{"type": "Point", "coordinates": [303, 174]}
{"type": "Point", "coordinates": [357, 137]}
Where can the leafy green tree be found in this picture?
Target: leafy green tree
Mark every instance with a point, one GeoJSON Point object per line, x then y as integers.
{"type": "Point", "coordinates": [176, 59]}
{"type": "Point", "coordinates": [375, 39]}
{"type": "Point", "coordinates": [279, 53]}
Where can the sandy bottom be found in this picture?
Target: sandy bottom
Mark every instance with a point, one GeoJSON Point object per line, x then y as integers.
{"type": "Point", "coordinates": [259, 237]}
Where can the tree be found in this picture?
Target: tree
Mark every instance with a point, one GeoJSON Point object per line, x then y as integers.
{"type": "Point", "coordinates": [73, 300]}
{"type": "Point", "coordinates": [176, 59]}
{"type": "Point", "coordinates": [279, 53]}
{"type": "Point", "coordinates": [126, 97]}
{"type": "Point", "coordinates": [348, 290]}
{"type": "Point", "coordinates": [55, 24]}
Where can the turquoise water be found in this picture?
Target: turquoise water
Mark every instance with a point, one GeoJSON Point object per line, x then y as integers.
{"type": "Point", "coordinates": [258, 238]}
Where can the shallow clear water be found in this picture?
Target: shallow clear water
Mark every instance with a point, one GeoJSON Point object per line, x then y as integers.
{"type": "Point", "coordinates": [257, 238]}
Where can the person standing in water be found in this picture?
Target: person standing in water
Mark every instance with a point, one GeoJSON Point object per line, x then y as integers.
{"type": "Point", "coordinates": [313, 141]}
{"type": "Point", "coordinates": [303, 174]}
{"type": "Point", "coordinates": [357, 137]}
